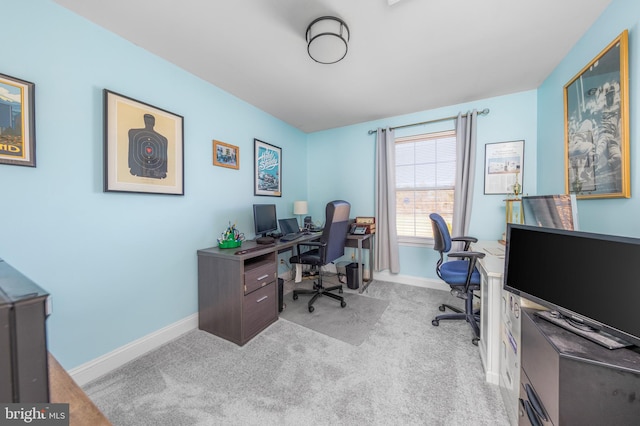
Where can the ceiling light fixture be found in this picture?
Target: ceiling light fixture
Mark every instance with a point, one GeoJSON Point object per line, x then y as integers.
{"type": "Point", "coordinates": [327, 40]}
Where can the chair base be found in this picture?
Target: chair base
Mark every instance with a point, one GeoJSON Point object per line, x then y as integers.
{"type": "Point", "coordinates": [469, 315]}
{"type": "Point", "coordinates": [317, 291]}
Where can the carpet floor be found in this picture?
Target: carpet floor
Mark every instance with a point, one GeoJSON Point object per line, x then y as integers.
{"type": "Point", "coordinates": [404, 372]}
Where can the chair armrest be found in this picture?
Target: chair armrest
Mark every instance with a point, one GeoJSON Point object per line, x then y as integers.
{"type": "Point", "coordinates": [467, 254]}
{"type": "Point", "coordinates": [467, 241]}
{"type": "Point", "coordinates": [319, 244]}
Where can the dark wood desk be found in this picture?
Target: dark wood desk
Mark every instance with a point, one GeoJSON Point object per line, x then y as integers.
{"type": "Point", "coordinates": [238, 293]}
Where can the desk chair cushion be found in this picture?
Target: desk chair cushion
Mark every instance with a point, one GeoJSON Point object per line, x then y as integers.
{"type": "Point", "coordinates": [454, 273]}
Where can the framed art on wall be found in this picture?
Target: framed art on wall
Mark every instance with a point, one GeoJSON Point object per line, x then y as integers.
{"type": "Point", "coordinates": [17, 122]}
{"type": "Point", "coordinates": [143, 147]}
{"type": "Point", "coordinates": [503, 167]}
{"type": "Point", "coordinates": [267, 169]}
{"type": "Point", "coordinates": [226, 155]}
{"type": "Point", "coordinates": [596, 108]}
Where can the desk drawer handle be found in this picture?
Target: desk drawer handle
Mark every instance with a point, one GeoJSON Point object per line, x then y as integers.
{"type": "Point", "coordinates": [262, 277]}
{"type": "Point", "coordinates": [262, 298]}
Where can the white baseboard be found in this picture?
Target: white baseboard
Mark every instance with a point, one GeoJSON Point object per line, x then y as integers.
{"type": "Point", "coordinates": [100, 366]}
{"type": "Point", "coordinates": [410, 280]}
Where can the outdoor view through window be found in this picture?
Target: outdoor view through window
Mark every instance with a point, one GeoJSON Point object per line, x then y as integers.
{"type": "Point", "coordinates": [425, 179]}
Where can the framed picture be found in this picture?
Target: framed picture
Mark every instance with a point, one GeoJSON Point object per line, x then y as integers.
{"type": "Point", "coordinates": [17, 122]}
{"type": "Point", "coordinates": [503, 167]}
{"type": "Point", "coordinates": [143, 147]}
{"type": "Point", "coordinates": [225, 155]}
{"type": "Point", "coordinates": [268, 169]}
{"type": "Point", "coordinates": [596, 107]}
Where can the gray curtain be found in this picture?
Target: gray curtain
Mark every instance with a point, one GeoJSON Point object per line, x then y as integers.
{"type": "Point", "coordinates": [386, 247]}
{"type": "Point", "coordinates": [465, 170]}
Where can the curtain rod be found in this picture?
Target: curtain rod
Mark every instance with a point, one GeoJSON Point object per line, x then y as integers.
{"type": "Point", "coordinates": [483, 112]}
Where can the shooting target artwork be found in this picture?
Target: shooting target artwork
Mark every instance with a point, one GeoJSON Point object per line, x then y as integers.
{"type": "Point", "coordinates": [143, 147]}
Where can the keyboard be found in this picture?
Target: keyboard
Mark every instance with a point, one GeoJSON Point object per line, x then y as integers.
{"type": "Point", "coordinates": [291, 237]}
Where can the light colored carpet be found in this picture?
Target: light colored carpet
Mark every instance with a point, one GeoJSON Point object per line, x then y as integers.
{"type": "Point", "coordinates": [351, 324]}
{"type": "Point", "coordinates": [406, 372]}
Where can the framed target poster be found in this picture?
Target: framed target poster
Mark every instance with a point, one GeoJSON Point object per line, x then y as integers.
{"type": "Point", "coordinates": [143, 147]}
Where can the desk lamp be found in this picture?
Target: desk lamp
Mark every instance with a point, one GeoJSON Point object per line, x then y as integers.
{"type": "Point", "coordinates": [300, 208]}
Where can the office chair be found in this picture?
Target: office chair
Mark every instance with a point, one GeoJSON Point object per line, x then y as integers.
{"type": "Point", "coordinates": [461, 275]}
{"type": "Point", "coordinates": [329, 248]}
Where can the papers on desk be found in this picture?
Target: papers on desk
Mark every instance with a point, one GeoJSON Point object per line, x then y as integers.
{"type": "Point", "coordinates": [495, 251]}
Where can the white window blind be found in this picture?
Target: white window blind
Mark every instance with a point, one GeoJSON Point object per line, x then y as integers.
{"type": "Point", "coordinates": [425, 181]}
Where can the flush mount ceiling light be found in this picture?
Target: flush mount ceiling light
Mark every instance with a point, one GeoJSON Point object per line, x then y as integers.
{"type": "Point", "coordinates": [327, 40]}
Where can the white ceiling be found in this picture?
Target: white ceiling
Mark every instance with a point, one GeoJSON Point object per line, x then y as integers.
{"type": "Point", "coordinates": [411, 56]}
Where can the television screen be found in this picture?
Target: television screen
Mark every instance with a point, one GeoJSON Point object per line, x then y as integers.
{"type": "Point", "coordinates": [264, 219]}
{"type": "Point", "coordinates": [590, 278]}
{"type": "Point", "coordinates": [551, 211]}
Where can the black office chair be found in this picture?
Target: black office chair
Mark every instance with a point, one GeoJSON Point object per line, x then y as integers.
{"type": "Point", "coordinates": [462, 275]}
{"type": "Point", "coordinates": [329, 248]}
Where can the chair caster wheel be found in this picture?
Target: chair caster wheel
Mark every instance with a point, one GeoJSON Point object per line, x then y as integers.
{"type": "Point", "coordinates": [435, 323]}
{"type": "Point", "coordinates": [295, 296]}
{"type": "Point", "coordinates": [311, 308]}
{"type": "Point", "coordinates": [442, 308]}
{"type": "Point", "coordinates": [475, 341]}
{"type": "Point", "coordinates": [343, 304]}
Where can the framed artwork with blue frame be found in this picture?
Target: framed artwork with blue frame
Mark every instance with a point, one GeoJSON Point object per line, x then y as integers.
{"type": "Point", "coordinates": [267, 169]}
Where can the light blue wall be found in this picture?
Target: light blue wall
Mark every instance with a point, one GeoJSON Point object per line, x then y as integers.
{"type": "Point", "coordinates": [342, 165]}
{"type": "Point", "coordinates": [613, 216]}
{"type": "Point", "coordinates": [119, 265]}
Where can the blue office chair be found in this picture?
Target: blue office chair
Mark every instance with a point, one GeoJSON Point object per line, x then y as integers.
{"type": "Point", "coordinates": [461, 275]}
{"type": "Point", "coordinates": [329, 248]}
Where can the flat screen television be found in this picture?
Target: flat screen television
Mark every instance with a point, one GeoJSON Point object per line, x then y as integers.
{"type": "Point", "coordinates": [551, 211]}
{"type": "Point", "coordinates": [265, 220]}
{"type": "Point", "coordinates": [588, 281]}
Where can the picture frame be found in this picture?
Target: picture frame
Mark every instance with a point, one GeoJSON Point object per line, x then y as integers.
{"type": "Point", "coordinates": [596, 116]}
{"type": "Point", "coordinates": [504, 167]}
{"type": "Point", "coordinates": [267, 169]}
{"type": "Point", "coordinates": [226, 155]}
{"type": "Point", "coordinates": [17, 122]}
{"type": "Point", "coordinates": [143, 147]}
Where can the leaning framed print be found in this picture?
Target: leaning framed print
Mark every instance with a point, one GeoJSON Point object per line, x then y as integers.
{"type": "Point", "coordinates": [226, 155]}
{"type": "Point", "coordinates": [143, 147]}
{"type": "Point", "coordinates": [267, 169]}
{"type": "Point", "coordinates": [503, 167]}
{"type": "Point", "coordinates": [596, 114]}
{"type": "Point", "coordinates": [17, 122]}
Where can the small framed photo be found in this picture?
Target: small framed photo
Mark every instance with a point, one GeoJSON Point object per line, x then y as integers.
{"type": "Point", "coordinates": [267, 169]}
{"type": "Point", "coordinates": [17, 122]}
{"type": "Point", "coordinates": [143, 147]}
{"type": "Point", "coordinates": [226, 155]}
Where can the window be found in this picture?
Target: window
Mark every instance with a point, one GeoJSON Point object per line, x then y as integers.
{"type": "Point", "coordinates": [425, 182]}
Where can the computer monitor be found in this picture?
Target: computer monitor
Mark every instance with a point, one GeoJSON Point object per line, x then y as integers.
{"type": "Point", "coordinates": [264, 219]}
{"type": "Point", "coordinates": [551, 211]}
{"type": "Point", "coordinates": [289, 226]}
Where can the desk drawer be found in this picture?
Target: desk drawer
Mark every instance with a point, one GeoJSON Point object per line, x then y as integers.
{"type": "Point", "coordinates": [259, 276]}
{"type": "Point", "coordinates": [259, 310]}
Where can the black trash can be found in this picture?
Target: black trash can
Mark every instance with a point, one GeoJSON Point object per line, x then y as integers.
{"type": "Point", "coordinates": [352, 275]}
{"type": "Point", "coordinates": [280, 291]}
